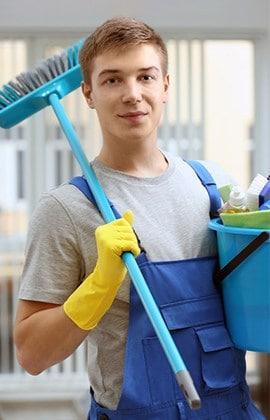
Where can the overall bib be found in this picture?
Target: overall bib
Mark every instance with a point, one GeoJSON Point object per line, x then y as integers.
{"type": "Point", "coordinates": [192, 308]}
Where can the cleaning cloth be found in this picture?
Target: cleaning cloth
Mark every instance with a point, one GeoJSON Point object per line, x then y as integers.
{"type": "Point", "coordinates": [252, 219]}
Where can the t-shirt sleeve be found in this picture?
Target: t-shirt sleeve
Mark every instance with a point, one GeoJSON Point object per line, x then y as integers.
{"type": "Point", "coordinates": [53, 266]}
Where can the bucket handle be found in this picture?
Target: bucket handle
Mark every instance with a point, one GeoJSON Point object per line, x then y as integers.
{"type": "Point", "coordinates": [239, 258]}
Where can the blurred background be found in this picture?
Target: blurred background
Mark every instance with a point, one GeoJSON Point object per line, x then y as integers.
{"type": "Point", "coordinates": [219, 62]}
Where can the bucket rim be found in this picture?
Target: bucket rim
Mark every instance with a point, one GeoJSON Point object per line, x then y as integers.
{"type": "Point", "coordinates": [216, 224]}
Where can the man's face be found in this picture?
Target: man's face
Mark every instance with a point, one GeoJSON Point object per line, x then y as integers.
{"type": "Point", "coordinates": [128, 91]}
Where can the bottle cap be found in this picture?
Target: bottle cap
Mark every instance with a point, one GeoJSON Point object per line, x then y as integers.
{"type": "Point", "coordinates": [237, 197]}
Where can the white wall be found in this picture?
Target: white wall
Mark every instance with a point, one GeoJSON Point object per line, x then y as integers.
{"type": "Point", "coordinates": [82, 15]}
{"type": "Point", "coordinates": [262, 100]}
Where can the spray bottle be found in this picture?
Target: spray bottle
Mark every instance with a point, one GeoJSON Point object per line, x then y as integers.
{"type": "Point", "coordinates": [236, 202]}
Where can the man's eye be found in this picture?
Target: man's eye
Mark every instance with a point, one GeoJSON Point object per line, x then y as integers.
{"type": "Point", "coordinates": [147, 77]}
{"type": "Point", "coordinates": [112, 81]}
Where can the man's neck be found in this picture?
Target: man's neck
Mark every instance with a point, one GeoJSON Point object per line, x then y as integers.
{"type": "Point", "coordinates": [144, 162]}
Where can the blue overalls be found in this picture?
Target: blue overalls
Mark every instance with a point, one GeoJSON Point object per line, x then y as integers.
{"type": "Point", "coordinates": [192, 308]}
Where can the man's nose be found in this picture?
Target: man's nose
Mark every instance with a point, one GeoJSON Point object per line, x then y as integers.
{"type": "Point", "coordinates": [132, 92]}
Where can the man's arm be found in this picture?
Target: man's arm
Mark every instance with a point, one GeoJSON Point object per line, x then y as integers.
{"type": "Point", "coordinates": [44, 335]}
{"type": "Point", "coordinates": [47, 333]}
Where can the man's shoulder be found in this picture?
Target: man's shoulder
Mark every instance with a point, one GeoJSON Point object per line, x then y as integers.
{"type": "Point", "coordinates": [65, 199]}
{"type": "Point", "coordinates": [64, 194]}
{"type": "Point", "coordinates": [220, 175]}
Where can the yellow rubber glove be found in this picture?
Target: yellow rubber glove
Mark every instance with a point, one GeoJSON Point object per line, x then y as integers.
{"type": "Point", "coordinates": [89, 302]}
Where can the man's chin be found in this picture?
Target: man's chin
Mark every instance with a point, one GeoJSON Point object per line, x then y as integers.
{"type": "Point", "coordinates": [136, 133]}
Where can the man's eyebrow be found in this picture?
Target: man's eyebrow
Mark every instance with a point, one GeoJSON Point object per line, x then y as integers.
{"type": "Point", "coordinates": [108, 71]}
{"type": "Point", "coordinates": [149, 68]}
{"type": "Point", "coordinates": [114, 71]}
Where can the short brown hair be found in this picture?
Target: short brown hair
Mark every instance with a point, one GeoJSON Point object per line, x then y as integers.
{"type": "Point", "coordinates": [116, 34]}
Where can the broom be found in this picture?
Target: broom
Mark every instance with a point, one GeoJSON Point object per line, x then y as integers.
{"type": "Point", "coordinates": [32, 91]}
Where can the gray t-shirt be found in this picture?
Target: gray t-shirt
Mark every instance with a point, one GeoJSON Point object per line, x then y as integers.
{"type": "Point", "coordinates": [171, 216]}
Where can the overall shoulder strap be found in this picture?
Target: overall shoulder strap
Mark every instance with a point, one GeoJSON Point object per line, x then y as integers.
{"type": "Point", "coordinates": [81, 183]}
{"type": "Point", "coordinates": [210, 185]}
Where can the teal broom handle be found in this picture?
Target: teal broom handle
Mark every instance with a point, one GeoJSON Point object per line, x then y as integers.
{"type": "Point", "coordinates": [183, 378]}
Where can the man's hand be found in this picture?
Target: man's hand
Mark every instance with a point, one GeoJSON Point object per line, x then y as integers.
{"type": "Point", "coordinates": [89, 302]}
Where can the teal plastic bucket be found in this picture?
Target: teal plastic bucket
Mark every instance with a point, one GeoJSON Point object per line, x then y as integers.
{"type": "Point", "coordinates": [246, 290]}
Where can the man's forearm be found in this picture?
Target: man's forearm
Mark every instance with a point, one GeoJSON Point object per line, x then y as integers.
{"type": "Point", "coordinates": [46, 338]}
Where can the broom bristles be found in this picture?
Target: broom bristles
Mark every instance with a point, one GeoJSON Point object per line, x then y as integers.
{"type": "Point", "coordinates": [45, 71]}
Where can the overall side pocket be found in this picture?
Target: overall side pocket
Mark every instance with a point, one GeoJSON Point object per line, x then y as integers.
{"type": "Point", "coordinates": [218, 358]}
{"type": "Point", "coordinates": [181, 318]}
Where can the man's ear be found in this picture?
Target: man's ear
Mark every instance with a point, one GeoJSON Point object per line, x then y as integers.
{"type": "Point", "coordinates": [166, 83]}
{"type": "Point", "coordinates": [87, 93]}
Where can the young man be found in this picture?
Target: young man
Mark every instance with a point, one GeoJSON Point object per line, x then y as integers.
{"type": "Point", "coordinates": [74, 284]}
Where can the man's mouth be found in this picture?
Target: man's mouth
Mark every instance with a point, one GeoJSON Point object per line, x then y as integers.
{"type": "Point", "coordinates": [135, 116]}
